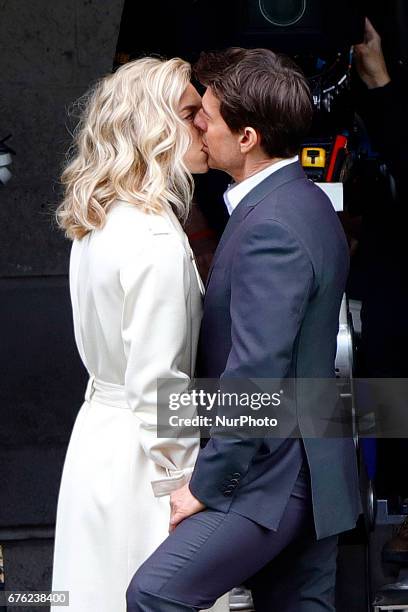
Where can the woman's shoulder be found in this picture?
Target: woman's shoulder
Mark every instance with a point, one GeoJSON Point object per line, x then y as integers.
{"type": "Point", "coordinates": [129, 229]}
{"type": "Point", "coordinates": [131, 220]}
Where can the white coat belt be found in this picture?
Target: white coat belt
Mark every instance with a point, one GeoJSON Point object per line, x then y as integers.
{"type": "Point", "coordinates": [100, 391]}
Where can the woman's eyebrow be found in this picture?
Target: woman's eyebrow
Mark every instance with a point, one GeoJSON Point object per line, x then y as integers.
{"type": "Point", "coordinates": [205, 111]}
{"type": "Point", "coordinates": [191, 107]}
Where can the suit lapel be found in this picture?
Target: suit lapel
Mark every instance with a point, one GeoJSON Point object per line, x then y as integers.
{"type": "Point", "coordinates": [276, 179]}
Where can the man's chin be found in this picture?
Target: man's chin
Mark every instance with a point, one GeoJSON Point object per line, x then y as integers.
{"type": "Point", "coordinates": [213, 164]}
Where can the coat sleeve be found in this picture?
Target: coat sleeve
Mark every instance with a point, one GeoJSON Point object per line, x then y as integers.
{"type": "Point", "coordinates": [155, 324]}
{"type": "Point", "coordinates": [271, 282]}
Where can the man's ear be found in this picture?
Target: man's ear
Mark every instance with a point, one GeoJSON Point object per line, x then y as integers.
{"type": "Point", "coordinates": [249, 138]}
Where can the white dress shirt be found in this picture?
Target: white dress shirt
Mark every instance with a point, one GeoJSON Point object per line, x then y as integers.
{"type": "Point", "coordinates": [237, 191]}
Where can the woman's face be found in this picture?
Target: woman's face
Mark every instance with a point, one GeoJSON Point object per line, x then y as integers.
{"type": "Point", "coordinates": [195, 158]}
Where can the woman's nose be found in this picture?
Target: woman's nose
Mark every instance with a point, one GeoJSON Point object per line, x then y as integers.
{"type": "Point", "coordinates": [199, 122]}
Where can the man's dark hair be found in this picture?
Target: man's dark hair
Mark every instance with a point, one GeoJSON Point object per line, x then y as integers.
{"type": "Point", "coordinates": [263, 90]}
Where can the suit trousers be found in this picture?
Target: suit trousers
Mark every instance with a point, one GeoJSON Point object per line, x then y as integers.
{"type": "Point", "coordinates": [211, 552]}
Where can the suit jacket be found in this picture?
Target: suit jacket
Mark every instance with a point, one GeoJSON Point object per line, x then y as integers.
{"type": "Point", "coordinates": [271, 310]}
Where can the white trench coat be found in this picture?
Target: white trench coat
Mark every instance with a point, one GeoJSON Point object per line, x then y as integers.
{"type": "Point", "coordinates": [137, 303]}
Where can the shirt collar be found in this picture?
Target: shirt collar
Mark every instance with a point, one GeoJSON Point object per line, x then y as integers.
{"type": "Point", "coordinates": [237, 191]}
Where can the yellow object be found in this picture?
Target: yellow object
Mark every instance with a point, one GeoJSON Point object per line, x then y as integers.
{"type": "Point", "coordinates": [313, 157]}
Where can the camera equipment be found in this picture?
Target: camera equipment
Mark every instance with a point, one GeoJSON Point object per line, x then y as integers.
{"type": "Point", "coordinates": [5, 160]}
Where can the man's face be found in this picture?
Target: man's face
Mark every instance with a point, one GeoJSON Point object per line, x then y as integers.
{"type": "Point", "coordinates": [220, 143]}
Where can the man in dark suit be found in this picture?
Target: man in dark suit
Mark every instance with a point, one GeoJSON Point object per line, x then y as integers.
{"type": "Point", "coordinates": [265, 511]}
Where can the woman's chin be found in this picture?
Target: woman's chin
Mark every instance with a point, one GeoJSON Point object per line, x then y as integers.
{"type": "Point", "coordinates": [205, 168]}
{"type": "Point", "coordinates": [200, 168]}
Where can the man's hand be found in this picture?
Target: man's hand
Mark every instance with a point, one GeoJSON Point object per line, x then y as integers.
{"type": "Point", "coordinates": [183, 504]}
{"type": "Point", "coordinates": [369, 59]}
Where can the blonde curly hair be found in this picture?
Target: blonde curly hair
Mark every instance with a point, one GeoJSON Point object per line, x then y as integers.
{"type": "Point", "coordinates": [129, 145]}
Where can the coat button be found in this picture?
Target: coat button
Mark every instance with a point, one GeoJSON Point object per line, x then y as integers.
{"type": "Point", "coordinates": [235, 481]}
{"type": "Point", "coordinates": [236, 475]}
{"type": "Point", "coordinates": [227, 493]}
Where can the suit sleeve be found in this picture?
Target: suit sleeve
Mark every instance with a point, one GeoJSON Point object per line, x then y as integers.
{"type": "Point", "coordinates": [155, 322]}
{"type": "Point", "coordinates": [272, 280]}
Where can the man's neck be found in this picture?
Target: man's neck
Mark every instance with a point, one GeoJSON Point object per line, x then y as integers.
{"type": "Point", "coordinates": [252, 167]}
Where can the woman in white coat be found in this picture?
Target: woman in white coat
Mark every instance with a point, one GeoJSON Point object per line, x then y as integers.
{"type": "Point", "coordinates": [136, 297]}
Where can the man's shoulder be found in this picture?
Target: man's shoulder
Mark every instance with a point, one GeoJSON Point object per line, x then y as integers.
{"type": "Point", "coordinates": [299, 200]}
{"type": "Point", "coordinates": [302, 212]}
